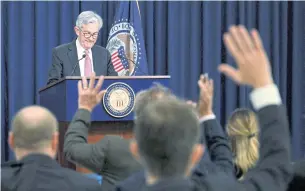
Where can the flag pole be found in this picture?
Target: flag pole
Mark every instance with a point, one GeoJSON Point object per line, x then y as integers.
{"type": "Point", "coordinates": [139, 9]}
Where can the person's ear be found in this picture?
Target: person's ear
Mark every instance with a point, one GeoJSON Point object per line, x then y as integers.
{"type": "Point", "coordinates": [133, 147]}
{"type": "Point", "coordinates": [196, 156]}
{"type": "Point", "coordinates": [54, 142]}
{"type": "Point", "coordinates": [11, 140]}
{"type": "Point", "coordinates": [77, 31]}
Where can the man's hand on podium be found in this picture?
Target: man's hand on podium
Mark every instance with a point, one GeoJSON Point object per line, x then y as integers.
{"type": "Point", "coordinates": [90, 96]}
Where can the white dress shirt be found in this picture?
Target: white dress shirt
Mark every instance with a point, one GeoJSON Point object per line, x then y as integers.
{"type": "Point", "coordinates": [264, 96]}
{"type": "Point", "coordinates": [80, 53]}
{"type": "Point", "coordinates": [260, 97]}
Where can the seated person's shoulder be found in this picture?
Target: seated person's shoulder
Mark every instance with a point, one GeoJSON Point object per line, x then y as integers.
{"type": "Point", "coordinates": [8, 168]}
{"type": "Point", "coordinates": [8, 174]}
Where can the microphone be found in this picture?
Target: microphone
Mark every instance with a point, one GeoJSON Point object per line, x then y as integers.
{"type": "Point", "coordinates": [136, 65]}
{"type": "Point", "coordinates": [84, 56]}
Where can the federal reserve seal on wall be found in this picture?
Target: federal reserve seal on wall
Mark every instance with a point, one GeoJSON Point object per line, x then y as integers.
{"type": "Point", "coordinates": [119, 100]}
{"type": "Point", "coordinates": [124, 47]}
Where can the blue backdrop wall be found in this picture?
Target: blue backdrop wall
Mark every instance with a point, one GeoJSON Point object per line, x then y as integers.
{"type": "Point", "coordinates": [183, 40]}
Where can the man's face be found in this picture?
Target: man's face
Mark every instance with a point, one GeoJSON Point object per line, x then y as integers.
{"type": "Point", "coordinates": [87, 34]}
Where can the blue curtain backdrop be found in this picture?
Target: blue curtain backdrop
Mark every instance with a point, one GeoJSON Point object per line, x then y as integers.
{"type": "Point", "coordinates": [183, 40]}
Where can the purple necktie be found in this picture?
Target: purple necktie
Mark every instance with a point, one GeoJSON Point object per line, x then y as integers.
{"type": "Point", "coordinates": [88, 65]}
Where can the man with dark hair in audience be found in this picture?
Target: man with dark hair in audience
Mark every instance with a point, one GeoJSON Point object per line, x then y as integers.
{"type": "Point", "coordinates": [166, 130]}
{"type": "Point", "coordinates": [115, 150]}
{"type": "Point", "coordinates": [34, 139]}
{"type": "Point", "coordinates": [217, 155]}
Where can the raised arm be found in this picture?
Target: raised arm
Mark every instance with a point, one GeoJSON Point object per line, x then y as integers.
{"type": "Point", "coordinates": [273, 170]}
{"type": "Point", "coordinates": [76, 148]}
{"type": "Point", "coordinates": [215, 138]}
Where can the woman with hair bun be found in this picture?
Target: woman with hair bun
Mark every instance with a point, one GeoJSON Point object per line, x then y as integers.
{"type": "Point", "coordinates": [242, 129]}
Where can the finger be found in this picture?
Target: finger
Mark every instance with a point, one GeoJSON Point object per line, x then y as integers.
{"type": "Point", "coordinates": [201, 84]}
{"type": "Point", "coordinates": [211, 85]}
{"type": "Point", "coordinates": [202, 78]}
{"type": "Point", "coordinates": [99, 84]}
{"type": "Point", "coordinates": [100, 95]}
{"type": "Point", "coordinates": [257, 40]}
{"type": "Point", "coordinates": [85, 83]}
{"type": "Point", "coordinates": [247, 40]}
{"type": "Point", "coordinates": [79, 87]}
{"type": "Point", "coordinates": [92, 80]}
{"type": "Point", "coordinates": [230, 72]}
{"type": "Point", "coordinates": [238, 39]}
{"type": "Point", "coordinates": [231, 46]}
{"type": "Point", "coordinates": [206, 76]}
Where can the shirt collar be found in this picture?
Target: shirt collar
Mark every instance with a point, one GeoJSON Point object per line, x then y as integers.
{"type": "Point", "coordinates": [80, 49]}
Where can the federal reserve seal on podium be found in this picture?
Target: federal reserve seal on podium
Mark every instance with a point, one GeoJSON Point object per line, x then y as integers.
{"type": "Point", "coordinates": [119, 100]}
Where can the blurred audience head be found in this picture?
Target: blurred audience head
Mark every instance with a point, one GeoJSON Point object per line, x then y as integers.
{"type": "Point", "coordinates": [166, 135]}
{"type": "Point", "coordinates": [34, 130]}
{"type": "Point", "coordinates": [143, 97]}
{"type": "Point", "coordinates": [243, 130]}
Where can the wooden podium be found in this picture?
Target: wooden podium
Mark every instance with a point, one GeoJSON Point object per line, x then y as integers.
{"type": "Point", "coordinates": [61, 99]}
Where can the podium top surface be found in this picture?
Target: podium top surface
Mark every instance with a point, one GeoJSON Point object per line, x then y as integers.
{"type": "Point", "coordinates": [105, 77]}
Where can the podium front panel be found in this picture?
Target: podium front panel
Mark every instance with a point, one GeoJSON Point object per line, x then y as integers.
{"type": "Point", "coordinates": [99, 113]}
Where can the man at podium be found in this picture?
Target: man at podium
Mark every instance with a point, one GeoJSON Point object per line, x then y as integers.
{"type": "Point", "coordinates": [81, 57]}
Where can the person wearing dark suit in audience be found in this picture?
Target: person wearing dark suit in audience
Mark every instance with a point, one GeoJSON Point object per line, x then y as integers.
{"type": "Point", "coordinates": [243, 131]}
{"type": "Point", "coordinates": [82, 56]}
{"type": "Point", "coordinates": [110, 157]}
{"type": "Point", "coordinates": [166, 131]}
{"type": "Point", "coordinates": [218, 154]}
{"type": "Point", "coordinates": [34, 139]}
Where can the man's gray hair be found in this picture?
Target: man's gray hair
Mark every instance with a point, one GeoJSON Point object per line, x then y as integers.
{"type": "Point", "coordinates": [87, 17]}
{"type": "Point", "coordinates": [166, 131]}
{"type": "Point", "coordinates": [33, 128]}
{"type": "Point", "coordinates": [145, 96]}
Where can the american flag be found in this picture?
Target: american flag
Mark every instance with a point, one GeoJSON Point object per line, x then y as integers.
{"type": "Point", "coordinates": [118, 60]}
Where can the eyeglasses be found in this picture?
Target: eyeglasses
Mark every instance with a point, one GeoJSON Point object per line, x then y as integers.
{"type": "Point", "coordinates": [88, 34]}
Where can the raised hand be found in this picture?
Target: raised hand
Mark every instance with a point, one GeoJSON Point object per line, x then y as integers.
{"type": "Point", "coordinates": [205, 103]}
{"type": "Point", "coordinates": [250, 57]}
{"type": "Point", "coordinates": [90, 96]}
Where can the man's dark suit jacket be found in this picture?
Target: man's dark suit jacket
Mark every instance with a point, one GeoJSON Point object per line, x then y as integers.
{"type": "Point", "coordinates": [110, 157]}
{"type": "Point", "coordinates": [65, 58]}
{"type": "Point", "coordinates": [272, 172]}
{"type": "Point", "coordinates": [217, 157]}
{"type": "Point", "coordinates": [40, 172]}
{"type": "Point", "coordinates": [298, 181]}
